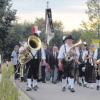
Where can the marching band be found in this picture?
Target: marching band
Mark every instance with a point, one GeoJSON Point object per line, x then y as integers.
{"type": "Point", "coordinates": [63, 61]}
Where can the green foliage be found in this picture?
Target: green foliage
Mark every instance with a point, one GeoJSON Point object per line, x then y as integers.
{"type": "Point", "coordinates": [7, 16]}
{"type": "Point", "coordinates": [58, 31]}
{"type": "Point", "coordinates": [76, 35]}
{"type": "Point", "coordinates": [7, 88]}
{"type": "Point", "coordinates": [40, 22]}
{"type": "Point", "coordinates": [13, 33]}
{"type": "Point", "coordinates": [56, 40]}
{"type": "Point", "coordinates": [10, 41]}
{"type": "Point", "coordinates": [93, 7]}
{"type": "Point", "coordinates": [90, 29]}
{"type": "Point", "coordinates": [23, 30]}
{"type": "Point", "coordinates": [87, 36]}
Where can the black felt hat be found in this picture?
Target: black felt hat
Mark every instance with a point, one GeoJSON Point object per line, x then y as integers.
{"type": "Point", "coordinates": [67, 37]}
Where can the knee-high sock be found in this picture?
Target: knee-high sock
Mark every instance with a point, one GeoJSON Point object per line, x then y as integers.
{"type": "Point", "coordinates": [29, 83]}
{"type": "Point", "coordinates": [69, 84]}
{"type": "Point", "coordinates": [98, 82]}
{"type": "Point", "coordinates": [80, 80]}
{"type": "Point", "coordinates": [34, 82]}
{"type": "Point", "coordinates": [72, 82]}
{"type": "Point", "coordinates": [84, 82]}
{"type": "Point", "coordinates": [64, 82]}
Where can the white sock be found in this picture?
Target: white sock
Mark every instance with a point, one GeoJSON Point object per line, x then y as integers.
{"type": "Point", "coordinates": [29, 83]}
{"type": "Point", "coordinates": [69, 83]}
{"type": "Point", "coordinates": [84, 82]}
{"type": "Point", "coordinates": [80, 80]}
{"type": "Point", "coordinates": [64, 82]}
{"type": "Point", "coordinates": [98, 82]}
{"type": "Point", "coordinates": [72, 82]}
{"type": "Point", "coordinates": [92, 85]}
{"type": "Point", "coordinates": [34, 82]}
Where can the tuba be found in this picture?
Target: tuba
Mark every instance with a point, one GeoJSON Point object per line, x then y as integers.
{"type": "Point", "coordinates": [69, 56]}
{"type": "Point", "coordinates": [25, 55]}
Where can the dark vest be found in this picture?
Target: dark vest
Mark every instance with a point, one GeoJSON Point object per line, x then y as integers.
{"type": "Point", "coordinates": [98, 54]}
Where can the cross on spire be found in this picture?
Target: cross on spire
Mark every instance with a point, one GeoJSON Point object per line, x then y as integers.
{"type": "Point", "coordinates": [47, 4]}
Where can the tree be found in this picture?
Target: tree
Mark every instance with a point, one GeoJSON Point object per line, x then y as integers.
{"type": "Point", "coordinates": [76, 35]}
{"type": "Point", "coordinates": [90, 28]}
{"type": "Point", "coordinates": [40, 22]}
{"type": "Point", "coordinates": [23, 29]}
{"type": "Point", "coordinates": [58, 34]}
{"type": "Point", "coordinates": [11, 40]}
{"type": "Point", "coordinates": [19, 32]}
{"type": "Point", "coordinates": [57, 39]}
{"type": "Point", "coordinates": [7, 16]}
{"type": "Point", "coordinates": [58, 31]}
{"type": "Point", "coordinates": [87, 36]}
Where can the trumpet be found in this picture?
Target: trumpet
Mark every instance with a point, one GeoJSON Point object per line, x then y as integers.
{"type": "Point", "coordinates": [71, 54]}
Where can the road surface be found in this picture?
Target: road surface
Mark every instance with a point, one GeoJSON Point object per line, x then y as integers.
{"type": "Point", "coordinates": [49, 91]}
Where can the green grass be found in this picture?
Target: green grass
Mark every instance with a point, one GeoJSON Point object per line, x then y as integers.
{"type": "Point", "coordinates": [7, 89]}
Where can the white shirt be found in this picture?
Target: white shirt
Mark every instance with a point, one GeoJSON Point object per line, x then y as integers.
{"type": "Point", "coordinates": [62, 51]}
{"type": "Point", "coordinates": [34, 53]}
{"type": "Point", "coordinates": [85, 52]}
{"type": "Point", "coordinates": [14, 58]}
{"type": "Point", "coordinates": [43, 53]}
{"type": "Point", "coordinates": [95, 54]}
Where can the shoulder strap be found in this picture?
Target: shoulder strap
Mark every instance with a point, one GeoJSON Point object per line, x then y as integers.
{"type": "Point", "coordinates": [39, 54]}
{"type": "Point", "coordinates": [65, 48]}
{"type": "Point", "coordinates": [98, 53]}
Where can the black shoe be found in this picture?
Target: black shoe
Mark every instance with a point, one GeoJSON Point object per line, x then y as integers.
{"type": "Point", "coordinates": [98, 87]}
{"type": "Point", "coordinates": [39, 80]}
{"type": "Point", "coordinates": [64, 89]}
{"type": "Point", "coordinates": [22, 79]}
{"type": "Point", "coordinates": [28, 89]}
{"type": "Point", "coordinates": [54, 82]}
{"type": "Point", "coordinates": [84, 85]}
{"type": "Point", "coordinates": [43, 81]}
{"type": "Point", "coordinates": [69, 87]}
{"type": "Point", "coordinates": [72, 90]}
{"type": "Point", "coordinates": [35, 88]}
{"type": "Point", "coordinates": [80, 84]}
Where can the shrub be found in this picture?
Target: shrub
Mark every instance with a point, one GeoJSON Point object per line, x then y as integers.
{"type": "Point", "coordinates": [7, 89]}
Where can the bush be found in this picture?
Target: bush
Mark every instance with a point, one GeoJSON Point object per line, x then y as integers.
{"type": "Point", "coordinates": [7, 89]}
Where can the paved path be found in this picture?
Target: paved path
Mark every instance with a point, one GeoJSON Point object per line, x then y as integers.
{"type": "Point", "coordinates": [48, 91]}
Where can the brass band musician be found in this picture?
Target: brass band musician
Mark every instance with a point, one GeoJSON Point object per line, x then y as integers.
{"type": "Point", "coordinates": [67, 63]}
{"type": "Point", "coordinates": [31, 55]}
{"type": "Point", "coordinates": [97, 62]}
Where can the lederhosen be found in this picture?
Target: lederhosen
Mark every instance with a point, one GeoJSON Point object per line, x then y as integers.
{"type": "Point", "coordinates": [33, 66]}
{"type": "Point", "coordinates": [68, 68]}
{"type": "Point", "coordinates": [98, 66]}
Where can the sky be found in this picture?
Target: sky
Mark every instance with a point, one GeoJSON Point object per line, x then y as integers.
{"type": "Point", "coordinates": [70, 12]}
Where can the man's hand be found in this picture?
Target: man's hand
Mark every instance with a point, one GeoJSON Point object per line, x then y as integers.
{"type": "Point", "coordinates": [60, 66]}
